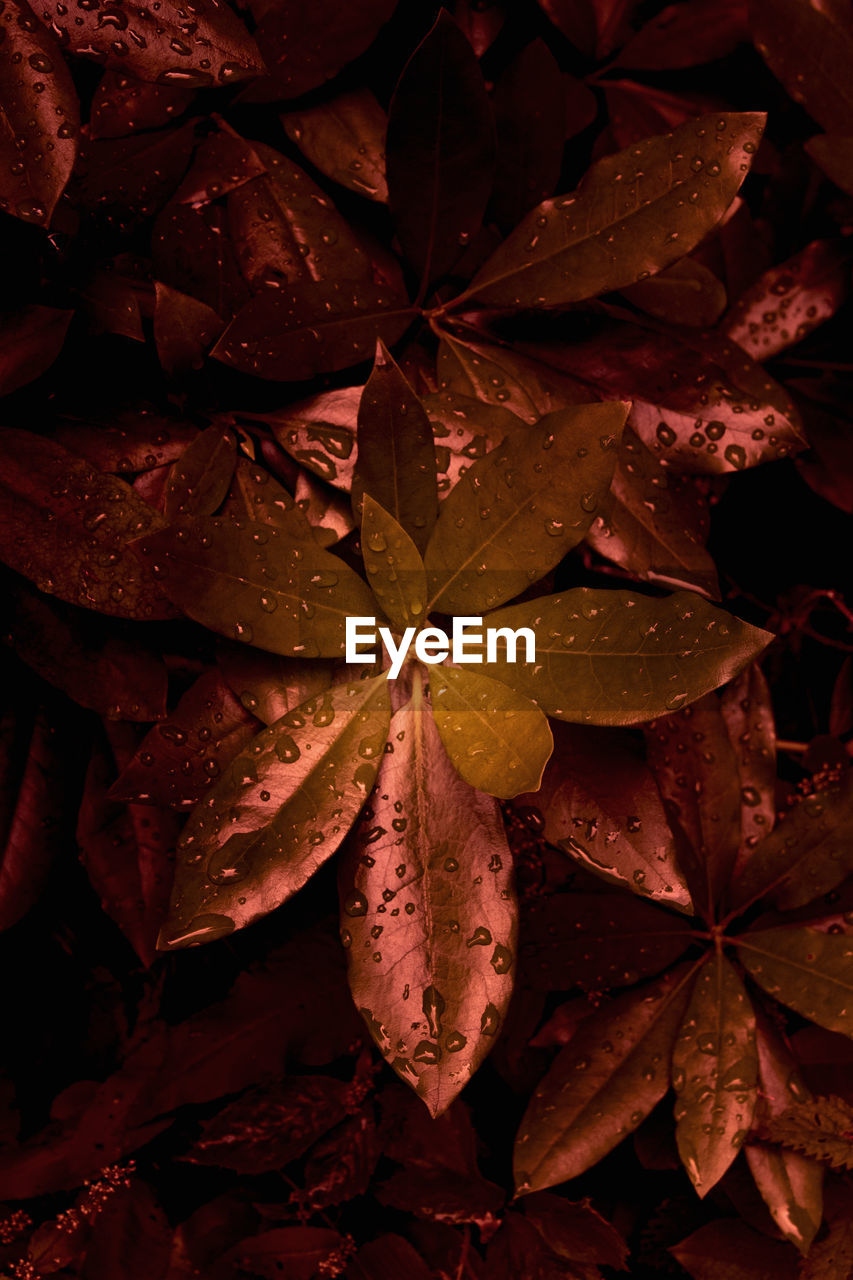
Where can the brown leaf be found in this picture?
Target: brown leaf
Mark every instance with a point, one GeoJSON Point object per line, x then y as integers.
{"type": "Point", "coordinates": [833, 153]}
{"type": "Point", "coordinates": [295, 1252]}
{"type": "Point", "coordinates": [303, 46]}
{"type": "Point", "coordinates": [132, 439]}
{"type": "Point", "coordinates": [122, 105]}
{"type": "Point", "coordinates": [184, 329]}
{"type": "Point", "coordinates": [748, 716]}
{"type": "Point", "coordinates": [267, 685]}
{"type": "Point", "coordinates": [684, 293]}
{"type": "Point", "coordinates": [809, 47]}
{"type": "Point", "coordinates": [687, 35]}
{"type": "Point", "coordinates": [123, 181]}
{"type": "Point", "coordinates": [131, 1237]}
{"type": "Point", "coordinates": [30, 340]}
{"type": "Point", "coordinates": [728, 1249]}
{"type": "Point", "coordinates": [529, 101]}
{"type": "Point", "coordinates": [192, 253]}
{"type": "Point", "coordinates": [428, 915]}
{"type": "Point", "coordinates": [200, 479]}
{"type": "Point", "coordinates": [345, 140]}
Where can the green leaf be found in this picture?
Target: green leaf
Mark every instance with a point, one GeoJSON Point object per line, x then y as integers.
{"type": "Point", "coordinates": [714, 1072]}
{"type": "Point", "coordinates": [614, 1070]}
{"type": "Point", "coordinates": [808, 853]}
{"type": "Point", "coordinates": [67, 527]}
{"type": "Point", "coordinates": [396, 453]}
{"type": "Point", "coordinates": [614, 657]}
{"type": "Point", "coordinates": [440, 150]}
{"type": "Point", "coordinates": [809, 47]}
{"type": "Point", "coordinates": [498, 740]}
{"type": "Point", "coordinates": [818, 1127]}
{"type": "Point", "coordinates": [394, 567]}
{"type": "Point", "coordinates": [429, 916]}
{"type": "Point", "coordinates": [634, 213]}
{"type": "Point", "coordinates": [251, 583]}
{"type": "Point", "coordinates": [200, 479]}
{"type": "Point", "coordinates": [790, 1185]}
{"type": "Point", "coordinates": [517, 511]}
{"type": "Point", "coordinates": [810, 971]}
{"type": "Point", "coordinates": [280, 810]}
{"type": "Point", "coordinates": [599, 803]}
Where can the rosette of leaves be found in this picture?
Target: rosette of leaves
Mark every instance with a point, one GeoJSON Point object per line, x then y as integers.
{"type": "Point", "coordinates": [700, 1000]}
{"type": "Point", "coordinates": [428, 903]}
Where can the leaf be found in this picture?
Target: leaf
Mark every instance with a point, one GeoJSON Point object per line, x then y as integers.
{"type": "Point", "coordinates": [193, 254]}
{"type": "Point", "coordinates": [131, 440]}
{"type": "Point", "coordinates": [279, 811]}
{"type": "Point", "coordinates": [497, 740]}
{"type": "Point", "coordinates": [252, 583]}
{"type": "Point", "coordinates": [699, 403]}
{"type": "Point", "coordinates": [530, 116]}
{"type": "Point", "coordinates": [612, 657]}
{"type": "Point", "coordinates": [832, 1257]}
{"type": "Point", "coordinates": [440, 151]}
{"type": "Point", "coordinates": [683, 293]}
{"type": "Point", "coordinates": [108, 671]}
{"type": "Point", "coordinates": [748, 716]}
{"type": "Point", "coordinates": [714, 1072]}
{"type": "Point", "coordinates": [790, 1185]}
{"type": "Point", "coordinates": [694, 763]}
{"type": "Point", "coordinates": [303, 47]}
{"type": "Point", "coordinates": [464, 429]}
{"type": "Point", "coordinates": [297, 1252]}
{"type": "Point", "coordinates": [594, 26]}
{"type": "Point", "coordinates": [131, 1236]}
{"type": "Point", "coordinates": [296, 332]}
{"type": "Point", "coordinates": [320, 433]}
{"type": "Point", "coordinates": [681, 36]}
{"type": "Point", "coordinates": [575, 1231]}
{"type": "Point", "coordinates": [223, 162]}
{"type": "Point", "coordinates": [387, 1256]}
{"type": "Point", "coordinates": [488, 544]}
{"type": "Point", "coordinates": [184, 329]}
{"type": "Point", "coordinates": [178, 760]}
{"type": "Point", "coordinates": [396, 454]}
{"type": "Point", "coordinates": [39, 110]}
{"type": "Point", "coordinates": [124, 181]}
{"type": "Point", "coordinates": [395, 570]}
{"type": "Point", "coordinates": [257, 496]}
{"type": "Point", "coordinates": [267, 1128]}
{"type": "Point", "coordinates": [67, 527]}
{"type": "Point", "coordinates": [818, 1127]}
{"type": "Point", "coordinates": [807, 854]}
{"type": "Point", "coordinates": [428, 915]}
{"type": "Point", "coordinates": [806, 969]}
{"type": "Point", "coordinates": [615, 229]}
{"type": "Point", "coordinates": [123, 105]}
{"type": "Point", "coordinates": [199, 481]}
{"type": "Point", "coordinates": [833, 153]}
{"type": "Point", "coordinates": [790, 300]}
{"type": "Point", "coordinates": [608, 1078]}
{"type": "Point", "coordinates": [341, 1165]}
{"type": "Point", "coordinates": [345, 140]}
{"type": "Point", "coordinates": [267, 685]}
{"type": "Point", "coordinates": [30, 341]}
{"type": "Point", "coordinates": [597, 941]}
{"type": "Point", "coordinates": [728, 1249]}
{"type": "Point", "coordinates": [482, 21]}
{"type": "Point", "coordinates": [599, 803]}
{"type": "Point", "coordinates": [809, 48]}
{"type": "Point", "coordinates": [501, 377]}
{"type": "Point", "coordinates": [325, 511]}
{"type": "Point", "coordinates": [654, 523]}
{"type": "Point", "coordinates": [211, 48]}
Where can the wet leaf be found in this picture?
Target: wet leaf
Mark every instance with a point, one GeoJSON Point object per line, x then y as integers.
{"type": "Point", "coordinates": [305, 46]}
{"type": "Point", "coordinates": [396, 453]}
{"type": "Point", "coordinates": [714, 1072]}
{"type": "Point", "coordinates": [30, 341]}
{"type": "Point", "coordinates": [488, 544]}
{"type": "Point", "coordinates": [684, 293]}
{"type": "Point", "coordinates": [790, 1184]}
{"type": "Point", "coordinates": [123, 105]}
{"type": "Point", "coordinates": [199, 481]}
{"type": "Point", "coordinates": [654, 523]}
{"type": "Point", "coordinates": [687, 35]}
{"type": "Point", "coordinates": [810, 971]}
{"type": "Point", "coordinates": [326, 512]}
{"type": "Point", "coordinates": [440, 151]}
{"type": "Point", "coordinates": [502, 378]}
{"type": "Point", "coordinates": [608, 1078]}
{"type": "Point", "coordinates": [193, 254]}
{"type": "Point", "coordinates": [599, 803]}
{"type": "Point", "coordinates": [184, 329]}
{"type": "Point", "coordinates": [395, 570]}
{"type": "Point", "coordinates": [250, 582]}
{"type": "Point", "coordinates": [67, 527]}
{"type": "Point", "coordinates": [292, 334]}
{"type": "Point", "coordinates": [694, 763]}
{"type": "Point", "coordinates": [498, 740]}
{"type": "Point", "coordinates": [807, 854]}
{"type": "Point", "coordinates": [728, 1249]}
{"type": "Point", "coordinates": [107, 671]}
{"type": "Point", "coordinates": [320, 433]}
{"type": "Point", "coordinates": [611, 657]}
{"type": "Point", "coordinates": [833, 153]}
{"type": "Point", "coordinates": [345, 140]}
{"type": "Point", "coordinates": [280, 810]}
{"type": "Point", "coordinates": [39, 109]}
{"type": "Point", "coordinates": [575, 1231]}
{"type": "Point", "coordinates": [178, 760]}
{"type": "Point", "coordinates": [808, 47]}
{"type": "Point", "coordinates": [132, 440]}
{"type": "Point", "coordinates": [211, 48]}
{"type": "Point", "coordinates": [124, 181]}
{"type": "Point", "coordinates": [748, 716]}
{"type": "Point", "coordinates": [633, 214]}
{"type": "Point", "coordinates": [818, 1127]}
{"type": "Point", "coordinates": [267, 685]}
{"type": "Point", "coordinates": [255, 495]}
{"type": "Point", "coordinates": [787, 302]}
{"type": "Point", "coordinates": [428, 915]}
{"type": "Point", "coordinates": [597, 941]}
{"type": "Point", "coordinates": [530, 116]}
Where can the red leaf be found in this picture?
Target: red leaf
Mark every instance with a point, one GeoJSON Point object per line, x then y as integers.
{"type": "Point", "coordinates": [295, 1252]}
{"type": "Point", "coordinates": [685, 35]}
{"type": "Point", "coordinates": [30, 341]}
{"type": "Point", "coordinates": [305, 45]}
{"type": "Point", "coordinates": [131, 1238]}
{"type": "Point", "coordinates": [123, 105]}
{"type": "Point", "coordinates": [184, 330]}
{"type": "Point", "coordinates": [530, 114]}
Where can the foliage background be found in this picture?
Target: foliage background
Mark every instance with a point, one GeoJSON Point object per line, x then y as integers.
{"type": "Point", "coordinates": [231, 1092]}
